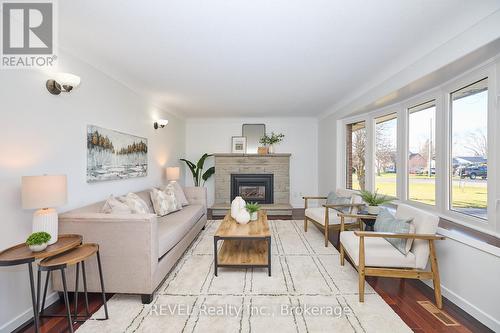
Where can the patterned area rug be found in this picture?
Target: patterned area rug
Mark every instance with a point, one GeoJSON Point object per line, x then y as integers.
{"type": "Point", "coordinates": [308, 292]}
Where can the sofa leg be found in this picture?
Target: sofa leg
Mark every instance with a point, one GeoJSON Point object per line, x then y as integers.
{"type": "Point", "coordinates": [147, 298]}
{"type": "Point", "coordinates": [203, 227]}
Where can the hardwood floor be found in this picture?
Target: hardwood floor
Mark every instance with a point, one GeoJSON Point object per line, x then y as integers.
{"type": "Point", "coordinates": [402, 296]}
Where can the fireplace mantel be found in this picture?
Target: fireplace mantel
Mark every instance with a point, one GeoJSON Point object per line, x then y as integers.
{"type": "Point", "coordinates": [227, 164]}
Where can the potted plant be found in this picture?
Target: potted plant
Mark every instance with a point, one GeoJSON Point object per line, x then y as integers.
{"type": "Point", "coordinates": [373, 201]}
{"type": "Point", "coordinates": [38, 241]}
{"type": "Point", "coordinates": [197, 170]}
{"type": "Point", "coordinates": [253, 209]}
{"type": "Point", "coordinates": [271, 140]}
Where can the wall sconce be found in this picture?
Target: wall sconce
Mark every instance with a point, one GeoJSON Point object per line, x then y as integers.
{"type": "Point", "coordinates": [160, 123]}
{"type": "Point", "coordinates": [62, 82]}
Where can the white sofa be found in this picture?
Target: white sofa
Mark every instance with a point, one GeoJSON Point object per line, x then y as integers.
{"type": "Point", "coordinates": [137, 250]}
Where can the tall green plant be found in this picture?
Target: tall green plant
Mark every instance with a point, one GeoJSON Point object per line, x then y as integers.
{"type": "Point", "coordinates": [197, 170]}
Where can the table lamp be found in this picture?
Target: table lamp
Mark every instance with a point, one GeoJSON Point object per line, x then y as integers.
{"type": "Point", "coordinates": [43, 193]}
{"type": "Point", "coordinates": [173, 173]}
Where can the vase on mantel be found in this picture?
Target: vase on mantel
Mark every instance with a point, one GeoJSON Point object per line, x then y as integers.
{"type": "Point", "coordinates": [270, 149]}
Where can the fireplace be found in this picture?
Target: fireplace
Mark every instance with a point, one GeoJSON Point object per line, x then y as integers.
{"type": "Point", "coordinates": [253, 187]}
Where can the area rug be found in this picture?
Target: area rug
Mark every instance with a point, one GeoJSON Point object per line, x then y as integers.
{"type": "Point", "coordinates": [308, 292]}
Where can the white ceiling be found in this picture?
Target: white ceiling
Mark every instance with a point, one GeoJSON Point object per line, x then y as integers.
{"type": "Point", "coordinates": [258, 57]}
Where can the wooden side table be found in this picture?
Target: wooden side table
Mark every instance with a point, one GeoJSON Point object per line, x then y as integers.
{"type": "Point", "coordinates": [20, 254]}
{"type": "Point", "coordinates": [75, 256]}
{"type": "Point", "coordinates": [367, 219]}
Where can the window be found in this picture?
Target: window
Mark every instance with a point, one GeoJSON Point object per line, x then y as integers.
{"type": "Point", "coordinates": [421, 157]}
{"type": "Point", "coordinates": [355, 161]}
{"type": "Point", "coordinates": [469, 149]}
{"type": "Point", "coordinates": [386, 136]}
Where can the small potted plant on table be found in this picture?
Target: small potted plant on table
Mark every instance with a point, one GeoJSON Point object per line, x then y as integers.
{"type": "Point", "coordinates": [253, 209]}
{"type": "Point", "coordinates": [373, 201]}
{"type": "Point", "coordinates": [38, 241]}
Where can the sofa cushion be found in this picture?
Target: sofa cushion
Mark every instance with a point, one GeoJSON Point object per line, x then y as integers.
{"type": "Point", "coordinates": [378, 252]}
{"type": "Point", "coordinates": [334, 199]}
{"type": "Point", "coordinates": [173, 227]}
{"type": "Point", "coordinates": [137, 204]}
{"type": "Point", "coordinates": [179, 193]}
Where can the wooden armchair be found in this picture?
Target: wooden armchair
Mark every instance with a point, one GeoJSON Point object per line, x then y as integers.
{"type": "Point", "coordinates": [372, 255]}
{"type": "Point", "coordinates": [327, 220]}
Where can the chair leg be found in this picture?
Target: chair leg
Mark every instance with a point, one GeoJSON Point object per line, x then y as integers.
{"type": "Point", "coordinates": [361, 285]}
{"type": "Point", "coordinates": [327, 225]}
{"type": "Point", "coordinates": [305, 224]}
{"type": "Point", "coordinates": [342, 254]}
{"type": "Point", "coordinates": [435, 275]}
{"type": "Point", "coordinates": [361, 269]}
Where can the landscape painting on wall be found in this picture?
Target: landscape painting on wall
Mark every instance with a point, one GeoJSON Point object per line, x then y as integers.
{"type": "Point", "coordinates": [113, 155]}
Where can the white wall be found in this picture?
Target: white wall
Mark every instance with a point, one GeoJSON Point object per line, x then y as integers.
{"type": "Point", "coordinates": [45, 134]}
{"type": "Point", "coordinates": [301, 140]}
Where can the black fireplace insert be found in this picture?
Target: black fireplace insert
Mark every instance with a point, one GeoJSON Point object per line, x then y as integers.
{"type": "Point", "coordinates": [253, 187]}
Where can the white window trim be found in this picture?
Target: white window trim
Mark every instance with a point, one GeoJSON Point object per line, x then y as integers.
{"type": "Point", "coordinates": [441, 94]}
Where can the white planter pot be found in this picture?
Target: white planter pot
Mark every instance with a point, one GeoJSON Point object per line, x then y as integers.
{"type": "Point", "coordinates": [373, 210]}
{"type": "Point", "coordinates": [254, 216]}
{"type": "Point", "coordinates": [38, 248]}
{"type": "Point", "coordinates": [271, 149]}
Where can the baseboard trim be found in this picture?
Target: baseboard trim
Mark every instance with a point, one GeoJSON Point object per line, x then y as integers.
{"type": "Point", "coordinates": [470, 308]}
{"type": "Point", "coordinates": [26, 316]}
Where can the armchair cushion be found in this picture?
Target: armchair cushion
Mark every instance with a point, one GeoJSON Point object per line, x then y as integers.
{"type": "Point", "coordinates": [318, 214]}
{"type": "Point", "coordinates": [386, 222]}
{"type": "Point", "coordinates": [378, 252]}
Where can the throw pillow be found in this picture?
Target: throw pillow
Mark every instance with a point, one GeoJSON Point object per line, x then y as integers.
{"type": "Point", "coordinates": [334, 199]}
{"type": "Point", "coordinates": [136, 204]}
{"type": "Point", "coordinates": [179, 193]}
{"type": "Point", "coordinates": [170, 192]}
{"type": "Point", "coordinates": [162, 203]}
{"type": "Point", "coordinates": [115, 206]}
{"type": "Point", "coordinates": [386, 222]}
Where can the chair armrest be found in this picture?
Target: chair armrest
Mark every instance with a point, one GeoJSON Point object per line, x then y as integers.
{"type": "Point", "coordinates": [313, 197]}
{"type": "Point", "coordinates": [335, 206]}
{"type": "Point", "coordinates": [358, 216]}
{"type": "Point", "coordinates": [396, 235]}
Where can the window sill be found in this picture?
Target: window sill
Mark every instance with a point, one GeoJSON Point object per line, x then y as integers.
{"type": "Point", "coordinates": [469, 236]}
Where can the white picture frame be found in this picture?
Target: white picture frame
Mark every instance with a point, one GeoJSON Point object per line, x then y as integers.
{"type": "Point", "coordinates": [239, 145]}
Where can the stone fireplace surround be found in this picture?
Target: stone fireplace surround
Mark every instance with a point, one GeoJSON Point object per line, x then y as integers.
{"type": "Point", "coordinates": [276, 164]}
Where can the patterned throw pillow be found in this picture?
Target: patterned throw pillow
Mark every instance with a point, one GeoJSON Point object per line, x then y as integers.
{"type": "Point", "coordinates": [115, 206]}
{"type": "Point", "coordinates": [172, 193]}
{"type": "Point", "coordinates": [334, 199]}
{"type": "Point", "coordinates": [386, 222]}
{"type": "Point", "coordinates": [179, 193]}
{"type": "Point", "coordinates": [136, 204]}
{"type": "Point", "coordinates": [163, 202]}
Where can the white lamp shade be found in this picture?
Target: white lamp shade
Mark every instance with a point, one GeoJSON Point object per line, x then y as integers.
{"type": "Point", "coordinates": [44, 191]}
{"type": "Point", "coordinates": [173, 173]}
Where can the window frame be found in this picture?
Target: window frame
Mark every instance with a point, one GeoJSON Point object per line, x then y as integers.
{"type": "Point", "coordinates": [443, 140]}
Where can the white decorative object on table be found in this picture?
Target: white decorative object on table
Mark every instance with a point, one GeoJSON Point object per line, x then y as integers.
{"type": "Point", "coordinates": [236, 205]}
{"type": "Point", "coordinates": [243, 216]}
{"type": "Point", "coordinates": [43, 193]}
{"type": "Point", "coordinates": [373, 210]}
{"type": "Point", "coordinates": [38, 247]}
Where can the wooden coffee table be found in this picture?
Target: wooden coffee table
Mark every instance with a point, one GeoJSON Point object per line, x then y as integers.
{"type": "Point", "coordinates": [245, 245]}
